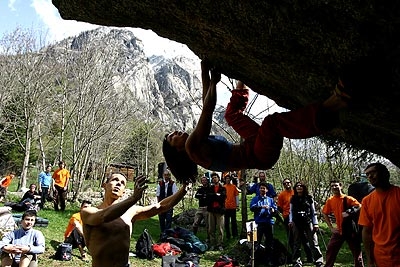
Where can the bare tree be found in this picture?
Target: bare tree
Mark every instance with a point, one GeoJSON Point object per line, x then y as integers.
{"type": "Point", "coordinates": [91, 109]}
{"type": "Point", "coordinates": [30, 80]}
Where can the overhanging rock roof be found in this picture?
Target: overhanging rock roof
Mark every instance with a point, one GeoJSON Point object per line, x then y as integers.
{"type": "Point", "coordinates": [291, 51]}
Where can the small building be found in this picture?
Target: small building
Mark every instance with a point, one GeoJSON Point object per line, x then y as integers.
{"type": "Point", "coordinates": [129, 170]}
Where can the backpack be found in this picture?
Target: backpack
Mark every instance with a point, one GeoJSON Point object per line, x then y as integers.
{"type": "Point", "coordinates": [63, 252]}
{"type": "Point", "coordinates": [144, 246]}
{"type": "Point", "coordinates": [226, 261]}
{"type": "Point", "coordinates": [350, 227]}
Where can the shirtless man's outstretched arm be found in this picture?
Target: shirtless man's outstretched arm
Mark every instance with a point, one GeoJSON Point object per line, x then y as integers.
{"type": "Point", "coordinates": [108, 211]}
{"type": "Point", "coordinates": [163, 206]}
{"type": "Point", "coordinates": [107, 228]}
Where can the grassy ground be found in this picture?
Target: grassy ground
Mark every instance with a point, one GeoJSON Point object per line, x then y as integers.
{"type": "Point", "coordinates": [58, 220]}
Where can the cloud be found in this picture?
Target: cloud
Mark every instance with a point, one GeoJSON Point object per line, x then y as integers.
{"type": "Point", "coordinates": [11, 4]}
{"type": "Point", "coordinates": [58, 28]}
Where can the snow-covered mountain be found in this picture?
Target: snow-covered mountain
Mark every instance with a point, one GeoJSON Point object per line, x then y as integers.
{"type": "Point", "coordinates": [168, 89]}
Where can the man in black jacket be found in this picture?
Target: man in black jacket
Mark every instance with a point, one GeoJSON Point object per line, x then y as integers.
{"type": "Point", "coordinates": [201, 213]}
{"type": "Point", "coordinates": [216, 209]}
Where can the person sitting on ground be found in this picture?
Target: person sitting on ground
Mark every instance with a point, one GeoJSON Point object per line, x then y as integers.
{"type": "Point", "coordinates": [29, 201]}
{"type": "Point", "coordinates": [107, 228]}
{"type": "Point", "coordinates": [20, 247]}
{"type": "Point", "coordinates": [262, 144]}
{"type": "Point", "coordinates": [31, 198]}
{"type": "Point", "coordinates": [74, 231]}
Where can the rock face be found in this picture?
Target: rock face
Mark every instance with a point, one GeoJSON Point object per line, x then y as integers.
{"type": "Point", "coordinates": [290, 51]}
{"type": "Point", "coordinates": [164, 89]}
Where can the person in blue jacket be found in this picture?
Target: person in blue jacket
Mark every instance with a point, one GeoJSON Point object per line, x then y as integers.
{"type": "Point", "coordinates": [255, 188]}
{"type": "Point", "coordinates": [264, 207]}
{"type": "Point", "coordinates": [45, 183]}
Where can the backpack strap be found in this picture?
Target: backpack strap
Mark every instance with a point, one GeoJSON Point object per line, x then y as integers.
{"type": "Point", "coordinates": [345, 203]}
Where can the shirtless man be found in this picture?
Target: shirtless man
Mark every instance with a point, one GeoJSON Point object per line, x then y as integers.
{"type": "Point", "coordinates": [107, 228]}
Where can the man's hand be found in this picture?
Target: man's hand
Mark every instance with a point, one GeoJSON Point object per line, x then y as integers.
{"type": "Point", "coordinates": [240, 85]}
{"type": "Point", "coordinates": [140, 186]}
{"type": "Point", "coordinates": [334, 230]}
{"type": "Point", "coordinates": [11, 249]}
{"type": "Point", "coordinates": [23, 248]}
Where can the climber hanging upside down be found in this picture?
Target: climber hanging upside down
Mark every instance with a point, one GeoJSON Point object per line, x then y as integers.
{"type": "Point", "coordinates": [262, 144]}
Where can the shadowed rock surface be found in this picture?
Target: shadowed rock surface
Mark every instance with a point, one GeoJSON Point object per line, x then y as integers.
{"type": "Point", "coordinates": [291, 51]}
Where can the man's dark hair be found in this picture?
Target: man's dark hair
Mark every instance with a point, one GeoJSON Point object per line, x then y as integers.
{"type": "Point", "coordinates": [334, 182]}
{"type": "Point", "coordinates": [116, 172]}
{"type": "Point", "coordinates": [263, 184]}
{"type": "Point", "coordinates": [214, 174]}
{"type": "Point", "coordinates": [179, 163]}
{"type": "Point", "coordinates": [29, 213]}
{"type": "Point", "coordinates": [382, 170]}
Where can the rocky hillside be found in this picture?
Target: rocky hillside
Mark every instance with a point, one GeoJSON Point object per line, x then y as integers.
{"type": "Point", "coordinates": [168, 90]}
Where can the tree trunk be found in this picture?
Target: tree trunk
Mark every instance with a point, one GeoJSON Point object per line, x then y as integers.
{"type": "Point", "coordinates": [41, 147]}
{"type": "Point", "coordinates": [64, 100]}
{"type": "Point", "coordinates": [25, 166]}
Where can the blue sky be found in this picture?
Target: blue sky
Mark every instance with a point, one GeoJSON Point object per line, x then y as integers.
{"type": "Point", "coordinates": [42, 16]}
{"type": "Point", "coordinates": [14, 14]}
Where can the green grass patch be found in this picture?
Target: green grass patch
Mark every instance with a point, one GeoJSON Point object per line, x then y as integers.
{"type": "Point", "coordinates": [54, 235]}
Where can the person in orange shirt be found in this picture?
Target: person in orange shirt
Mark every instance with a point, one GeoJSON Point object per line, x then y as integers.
{"type": "Point", "coordinates": [4, 183]}
{"type": "Point", "coordinates": [380, 219]}
{"type": "Point", "coordinates": [283, 204]}
{"type": "Point", "coordinates": [74, 231]}
{"type": "Point", "coordinates": [60, 186]}
{"type": "Point", "coordinates": [231, 205]}
{"type": "Point", "coordinates": [334, 205]}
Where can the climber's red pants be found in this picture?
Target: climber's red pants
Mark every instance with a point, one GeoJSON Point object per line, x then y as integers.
{"type": "Point", "coordinates": [263, 143]}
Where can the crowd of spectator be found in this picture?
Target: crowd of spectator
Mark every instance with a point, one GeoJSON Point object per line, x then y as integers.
{"type": "Point", "coordinates": [371, 201]}
{"type": "Point", "coordinates": [296, 204]}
